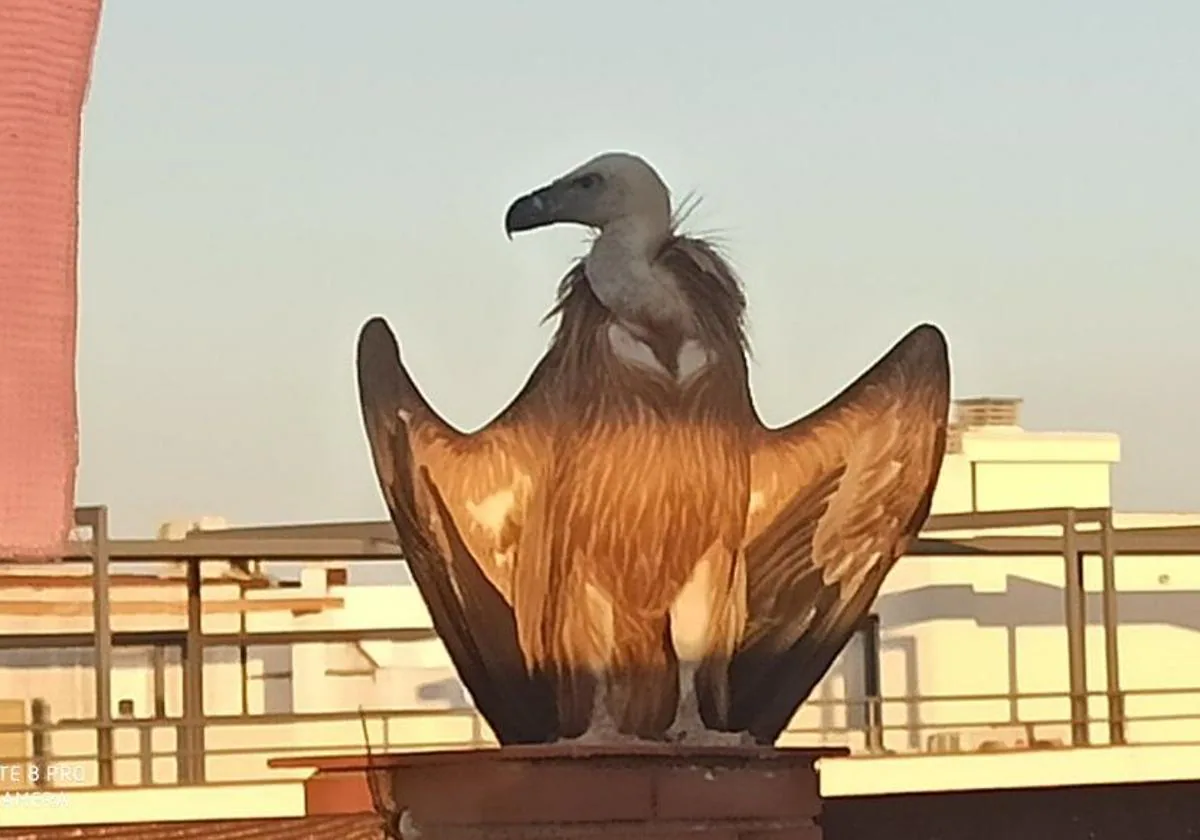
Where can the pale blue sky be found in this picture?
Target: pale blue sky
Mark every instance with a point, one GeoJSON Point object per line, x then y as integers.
{"type": "Point", "coordinates": [260, 177]}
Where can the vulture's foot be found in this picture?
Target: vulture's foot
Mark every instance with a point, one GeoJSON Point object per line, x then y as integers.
{"type": "Point", "coordinates": [600, 735]}
{"type": "Point", "coordinates": [602, 728]}
{"type": "Point", "coordinates": [701, 737]}
{"type": "Point", "coordinates": [408, 826]}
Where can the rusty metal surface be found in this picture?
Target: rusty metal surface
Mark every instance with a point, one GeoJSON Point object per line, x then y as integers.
{"type": "Point", "coordinates": [351, 827]}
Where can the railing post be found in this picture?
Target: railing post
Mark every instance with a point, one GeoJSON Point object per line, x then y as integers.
{"type": "Point", "coordinates": [872, 684]}
{"type": "Point", "coordinates": [193, 676]}
{"type": "Point", "coordinates": [146, 752]}
{"type": "Point", "coordinates": [183, 756]}
{"type": "Point", "coordinates": [1076, 620]}
{"type": "Point", "coordinates": [1116, 700]}
{"type": "Point", "coordinates": [96, 518]}
{"type": "Point", "coordinates": [39, 718]}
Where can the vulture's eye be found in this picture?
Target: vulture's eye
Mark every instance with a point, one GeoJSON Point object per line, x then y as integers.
{"type": "Point", "coordinates": [587, 181]}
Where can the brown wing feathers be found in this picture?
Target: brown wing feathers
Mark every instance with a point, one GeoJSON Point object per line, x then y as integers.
{"type": "Point", "coordinates": [835, 498]}
{"type": "Point", "coordinates": [864, 468]}
{"type": "Point", "coordinates": [469, 613]}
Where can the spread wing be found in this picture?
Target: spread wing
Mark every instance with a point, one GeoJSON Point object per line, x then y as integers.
{"type": "Point", "coordinates": [458, 502]}
{"type": "Point", "coordinates": [836, 497]}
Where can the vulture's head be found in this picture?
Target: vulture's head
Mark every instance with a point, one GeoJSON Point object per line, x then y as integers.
{"type": "Point", "coordinates": [606, 190]}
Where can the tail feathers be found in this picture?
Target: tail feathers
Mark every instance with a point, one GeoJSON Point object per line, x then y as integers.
{"type": "Point", "coordinates": [638, 678]}
{"type": "Point", "coordinates": [644, 682]}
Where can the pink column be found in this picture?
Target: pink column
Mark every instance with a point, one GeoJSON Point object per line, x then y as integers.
{"type": "Point", "coordinates": [45, 62]}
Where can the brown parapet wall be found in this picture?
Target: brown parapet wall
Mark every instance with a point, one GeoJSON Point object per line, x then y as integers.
{"type": "Point", "coordinates": [1132, 811]}
{"type": "Point", "coordinates": [537, 791]}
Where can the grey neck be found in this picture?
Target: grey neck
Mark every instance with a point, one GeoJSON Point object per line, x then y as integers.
{"type": "Point", "coordinates": [622, 273]}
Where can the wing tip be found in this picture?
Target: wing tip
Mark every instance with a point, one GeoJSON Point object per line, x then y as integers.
{"type": "Point", "coordinates": [377, 344]}
{"type": "Point", "coordinates": [377, 360]}
{"type": "Point", "coordinates": [375, 331]}
{"type": "Point", "coordinates": [926, 345]}
{"type": "Point", "coordinates": [927, 335]}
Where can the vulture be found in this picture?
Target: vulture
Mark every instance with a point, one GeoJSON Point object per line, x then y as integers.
{"type": "Point", "coordinates": [626, 552]}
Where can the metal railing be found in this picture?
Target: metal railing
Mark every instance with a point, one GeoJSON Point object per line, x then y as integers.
{"type": "Point", "coordinates": [916, 730]}
{"type": "Point", "coordinates": [1081, 531]}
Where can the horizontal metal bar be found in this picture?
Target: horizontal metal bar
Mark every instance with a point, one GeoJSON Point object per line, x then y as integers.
{"type": "Point", "coordinates": [301, 637]}
{"type": "Point", "coordinates": [176, 638]}
{"type": "Point", "coordinates": [383, 530]}
{"type": "Point", "coordinates": [936, 547]}
{"type": "Point", "coordinates": [383, 714]}
{"type": "Point", "coordinates": [1182, 540]}
{"type": "Point", "coordinates": [1017, 518]}
{"type": "Point", "coordinates": [47, 641]}
{"type": "Point", "coordinates": [357, 746]}
{"type": "Point", "coordinates": [247, 720]}
{"type": "Point", "coordinates": [208, 548]}
{"type": "Point", "coordinates": [375, 529]}
{"type": "Point", "coordinates": [468, 713]}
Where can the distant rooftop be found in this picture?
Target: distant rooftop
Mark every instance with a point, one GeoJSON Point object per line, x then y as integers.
{"type": "Point", "coordinates": [976, 412]}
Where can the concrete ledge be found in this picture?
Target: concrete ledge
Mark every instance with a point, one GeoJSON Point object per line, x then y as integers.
{"type": "Point", "coordinates": [162, 803]}
{"type": "Point", "coordinates": [1134, 811]}
{"type": "Point", "coordinates": [840, 778]}
{"type": "Point", "coordinates": [898, 774]}
{"type": "Point", "coordinates": [363, 827]}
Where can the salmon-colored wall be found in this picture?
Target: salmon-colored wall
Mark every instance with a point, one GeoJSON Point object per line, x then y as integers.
{"type": "Point", "coordinates": [45, 64]}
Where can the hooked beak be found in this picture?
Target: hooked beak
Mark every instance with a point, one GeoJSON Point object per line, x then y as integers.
{"type": "Point", "coordinates": [537, 209]}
